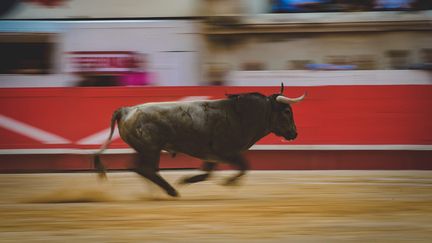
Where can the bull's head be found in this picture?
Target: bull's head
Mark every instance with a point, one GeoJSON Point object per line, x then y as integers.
{"type": "Point", "coordinates": [282, 117]}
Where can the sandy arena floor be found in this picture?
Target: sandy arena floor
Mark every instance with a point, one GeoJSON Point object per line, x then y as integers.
{"type": "Point", "coordinates": [268, 206]}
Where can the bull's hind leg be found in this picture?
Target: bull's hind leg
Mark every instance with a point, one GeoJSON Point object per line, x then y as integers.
{"type": "Point", "coordinates": [147, 165]}
{"type": "Point", "coordinates": [207, 167]}
{"type": "Point", "coordinates": [241, 163]}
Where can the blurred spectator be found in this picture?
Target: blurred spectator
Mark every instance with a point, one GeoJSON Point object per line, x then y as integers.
{"type": "Point", "coordinates": [422, 5]}
{"type": "Point", "coordinates": [297, 5]}
{"type": "Point", "coordinates": [393, 4]}
{"type": "Point", "coordinates": [399, 59]}
{"type": "Point", "coordinates": [333, 63]}
{"type": "Point", "coordinates": [253, 66]}
{"type": "Point", "coordinates": [217, 73]}
{"type": "Point", "coordinates": [426, 60]}
{"type": "Point", "coordinates": [138, 74]}
{"type": "Point", "coordinates": [326, 66]}
{"type": "Point", "coordinates": [292, 6]}
{"type": "Point", "coordinates": [298, 64]}
{"type": "Point", "coordinates": [7, 6]}
{"type": "Point", "coordinates": [357, 5]}
{"type": "Point", "coordinates": [364, 62]}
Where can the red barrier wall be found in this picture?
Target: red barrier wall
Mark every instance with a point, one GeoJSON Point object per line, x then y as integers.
{"type": "Point", "coordinates": [330, 115]}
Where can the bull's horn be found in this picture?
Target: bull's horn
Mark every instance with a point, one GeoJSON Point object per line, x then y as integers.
{"type": "Point", "coordinates": [286, 100]}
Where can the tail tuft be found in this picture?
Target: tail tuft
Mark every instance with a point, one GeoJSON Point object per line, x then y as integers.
{"type": "Point", "coordinates": [100, 168]}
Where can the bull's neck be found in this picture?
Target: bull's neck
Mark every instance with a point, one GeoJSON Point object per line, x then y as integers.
{"type": "Point", "coordinates": [264, 124]}
{"type": "Point", "coordinates": [259, 135]}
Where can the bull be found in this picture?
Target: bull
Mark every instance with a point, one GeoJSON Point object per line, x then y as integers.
{"type": "Point", "coordinates": [215, 131]}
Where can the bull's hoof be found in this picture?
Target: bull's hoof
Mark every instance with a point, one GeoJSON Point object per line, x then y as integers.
{"type": "Point", "coordinates": [183, 181]}
{"type": "Point", "coordinates": [193, 179]}
{"type": "Point", "coordinates": [102, 176]}
{"type": "Point", "coordinates": [173, 193]}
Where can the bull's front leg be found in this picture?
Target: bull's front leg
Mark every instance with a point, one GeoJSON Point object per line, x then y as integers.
{"type": "Point", "coordinates": [241, 163]}
{"type": "Point", "coordinates": [208, 167]}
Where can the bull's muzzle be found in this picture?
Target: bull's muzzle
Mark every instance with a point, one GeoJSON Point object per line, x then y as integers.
{"type": "Point", "coordinates": [291, 136]}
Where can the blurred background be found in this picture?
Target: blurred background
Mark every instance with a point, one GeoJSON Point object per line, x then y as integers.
{"type": "Point", "coordinates": [366, 66]}
{"type": "Point", "coordinates": [57, 43]}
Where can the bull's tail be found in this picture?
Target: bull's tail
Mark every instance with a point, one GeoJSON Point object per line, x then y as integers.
{"type": "Point", "coordinates": [100, 168]}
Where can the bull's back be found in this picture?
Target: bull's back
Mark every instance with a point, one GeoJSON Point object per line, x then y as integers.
{"type": "Point", "coordinates": [185, 127]}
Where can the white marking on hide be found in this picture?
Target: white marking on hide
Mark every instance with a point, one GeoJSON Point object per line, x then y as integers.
{"type": "Point", "coordinates": [194, 98]}
{"type": "Point", "coordinates": [183, 101]}
{"type": "Point", "coordinates": [130, 114]}
{"type": "Point", "coordinates": [31, 132]}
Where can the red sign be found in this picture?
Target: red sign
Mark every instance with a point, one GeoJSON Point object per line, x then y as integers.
{"type": "Point", "coordinates": [101, 62]}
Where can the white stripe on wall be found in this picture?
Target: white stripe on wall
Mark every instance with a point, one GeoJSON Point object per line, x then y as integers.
{"type": "Point", "coordinates": [30, 131]}
{"type": "Point", "coordinates": [255, 147]}
{"type": "Point", "coordinates": [99, 137]}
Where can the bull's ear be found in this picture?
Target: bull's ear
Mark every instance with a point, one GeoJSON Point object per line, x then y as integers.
{"type": "Point", "coordinates": [282, 88]}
